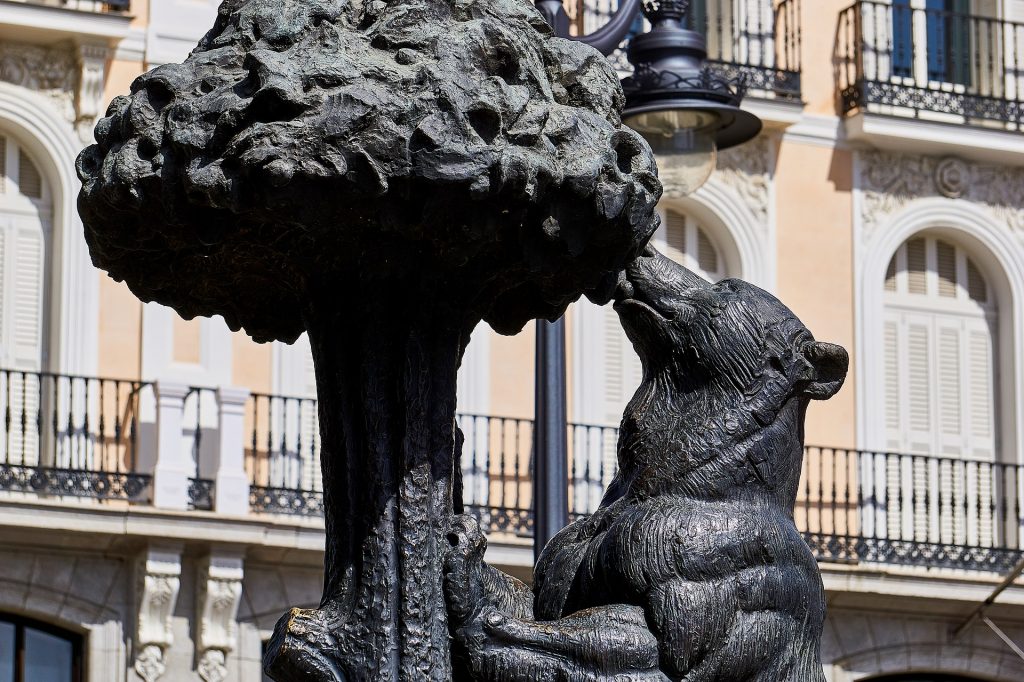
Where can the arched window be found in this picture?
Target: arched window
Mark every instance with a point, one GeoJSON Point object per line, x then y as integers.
{"type": "Point", "coordinates": [31, 651]}
{"type": "Point", "coordinates": [940, 332]}
{"type": "Point", "coordinates": [25, 229]}
{"type": "Point", "coordinates": [25, 226]}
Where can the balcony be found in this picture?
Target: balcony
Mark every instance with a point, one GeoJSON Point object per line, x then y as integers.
{"type": "Point", "coordinates": [115, 444]}
{"type": "Point", "coordinates": [756, 40]}
{"type": "Point", "coordinates": [930, 64]}
{"type": "Point", "coordinates": [95, 6]}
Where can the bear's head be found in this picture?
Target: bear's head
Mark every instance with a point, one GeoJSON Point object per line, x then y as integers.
{"type": "Point", "coordinates": [728, 372]}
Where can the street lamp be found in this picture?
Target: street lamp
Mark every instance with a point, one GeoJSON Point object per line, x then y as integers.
{"type": "Point", "coordinates": [686, 113]}
{"type": "Point", "coordinates": [684, 110]}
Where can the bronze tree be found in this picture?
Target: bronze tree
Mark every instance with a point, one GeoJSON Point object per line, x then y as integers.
{"type": "Point", "coordinates": [382, 174]}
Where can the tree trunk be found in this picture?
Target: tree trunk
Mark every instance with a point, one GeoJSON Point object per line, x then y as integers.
{"type": "Point", "coordinates": [386, 375]}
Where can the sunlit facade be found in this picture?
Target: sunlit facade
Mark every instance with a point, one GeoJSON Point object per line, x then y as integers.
{"type": "Point", "coordinates": [160, 503]}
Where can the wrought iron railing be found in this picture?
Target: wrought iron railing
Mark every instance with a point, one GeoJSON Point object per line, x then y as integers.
{"type": "Point", "coordinates": [283, 457]}
{"type": "Point", "coordinates": [940, 512]}
{"type": "Point", "coordinates": [200, 422]}
{"type": "Point", "coordinates": [756, 40]}
{"type": "Point", "coordinates": [70, 436]}
{"type": "Point", "coordinates": [895, 59]}
{"type": "Point", "coordinates": [852, 506]}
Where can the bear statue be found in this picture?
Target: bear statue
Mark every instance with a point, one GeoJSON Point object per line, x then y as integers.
{"type": "Point", "coordinates": [692, 568]}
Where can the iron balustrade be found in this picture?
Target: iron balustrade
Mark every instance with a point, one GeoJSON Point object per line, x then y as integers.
{"type": "Point", "coordinates": [283, 457]}
{"type": "Point", "coordinates": [929, 63]}
{"type": "Point", "coordinates": [756, 40]}
{"type": "Point", "coordinates": [942, 512]}
{"type": "Point", "coordinates": [73, 436]}
{"type": "Point", "coordinates": [200, 423]}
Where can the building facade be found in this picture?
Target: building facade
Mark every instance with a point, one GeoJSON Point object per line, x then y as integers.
{"type": "Point", "coordinates": [160, 503]}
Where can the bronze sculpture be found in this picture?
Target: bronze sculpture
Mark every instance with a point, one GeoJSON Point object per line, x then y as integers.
{"type": "Point", "coordinates": [384, 174]}
{"type": "Point", "coordinates": [692, 568]}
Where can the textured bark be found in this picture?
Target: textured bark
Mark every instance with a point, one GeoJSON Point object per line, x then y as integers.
{"type": "Point", "coordinates": [386, 364]}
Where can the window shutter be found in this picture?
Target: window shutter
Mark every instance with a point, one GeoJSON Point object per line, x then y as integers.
{"type": "Point", "coordinates": [675, 237]}
{"type": "Point", "coordinates": [919, 388]}
{"type": "Point", "coordinates": [30, 182]}
{"type": "Point", "coordinates": [893, 401]}
{"type": "Point", "coordinates": [26, 299]}
{"type": "Point", "coordinates": [917, 282]}
{"type": "Point", "coordinates": [707, 254]}
{"type": "Point", "coordinates": [940, 353]}
{"type": "Point", "coordinates": [21, 303]}
{"type": "Point", "coordinates": [948, 389]}
{"type": "Point", "coordinates": [945, 255]}
{"type": "Point", "coordinates": [981, 398]}
{"type": "Point", "coordinates": [623, 370]}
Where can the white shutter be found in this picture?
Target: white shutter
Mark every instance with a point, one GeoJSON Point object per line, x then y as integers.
{"type": "Point", "coordinates": [981, 392]}
{"type": "Point", "coordinates": [686, 242]}
{"type": "Point", "coordinates": [948, 389]}
{"type": "Point", "coordinates": [919, 387]}
{"type": "Point", "coordinates": [26, 302]}
{"type": "Point", "coordinates": [623, 370]}
{"type": "Point", "coordinates": [939, 353]}
{"type": "Point", "coordinates": [894, 404]}
{"type": "Point", "coordinates": [21, 317]}
{"type": "Point", "coordinates": [675, 237]}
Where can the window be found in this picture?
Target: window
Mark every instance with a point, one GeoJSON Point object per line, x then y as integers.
{"type": "Point", "coordinates": [944, 46]}
{"type": "Point", "coordinates": [940, 331]}
{"type": "Point", "coordinates": [31, 651]}
{"type": "Point", "coordinates": [25, 228]}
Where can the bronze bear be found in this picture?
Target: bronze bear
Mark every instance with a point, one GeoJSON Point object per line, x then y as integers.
{"type": "Point", "coordinates": [692, 568]}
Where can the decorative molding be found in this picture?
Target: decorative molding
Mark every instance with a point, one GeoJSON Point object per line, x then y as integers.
{"type": "Point", "coordinates": [218, 594]}
{"type": "Point", "coordinates": [889, 182]}
{"type": "Point", "coordinates": [50, 71]}
{"type": "Point", "coordinates": [816, 130]}
{"type": "Point", "coordinates": [745, 169]}
{"type": "Point", "coordinates": [159, 580]}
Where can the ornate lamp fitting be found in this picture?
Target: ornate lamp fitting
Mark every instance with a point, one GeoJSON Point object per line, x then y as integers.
{"type": "Point", "coordinates": [657, 11]}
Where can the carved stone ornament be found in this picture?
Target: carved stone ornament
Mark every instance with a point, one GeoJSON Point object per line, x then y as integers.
{"type": "Point", "coordinates": [891, 181]}
{"type": "Point", "coordinates": [159, 579]}
{"type": "Point", "coordinates": [72, 77]}
{"type": "Point", "coordinates": [219, 593]}
{"type": "Point", "coordinates": [692, 567]}
{"type": "Point", "coordinates": [50, 71]}
{"type": "Point", "coordinates": [383, 175]}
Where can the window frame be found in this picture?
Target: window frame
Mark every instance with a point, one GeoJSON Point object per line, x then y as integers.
{"type": "Point", "coordinates": [20, 622]}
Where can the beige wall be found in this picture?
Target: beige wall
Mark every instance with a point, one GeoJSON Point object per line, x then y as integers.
{"type": "Point", "coordinates": [815, 266]}
{"type": "Point", "coordinates": [819, 20]}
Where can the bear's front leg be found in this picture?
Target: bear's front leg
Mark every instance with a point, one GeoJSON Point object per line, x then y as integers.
{"type": "Point", "coordinates": [496, 639]}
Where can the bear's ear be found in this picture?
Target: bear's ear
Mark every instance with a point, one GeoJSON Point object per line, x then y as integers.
{"type": "Point", "coordinates": [829, 363]}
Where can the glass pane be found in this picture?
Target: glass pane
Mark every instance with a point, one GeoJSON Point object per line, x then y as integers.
{"type": "Point", "coordinates": [902, 39]}
{"type": "Point", "coordinates": [6, 652]}
{"type": "Point", "coordinates": [47, 657]}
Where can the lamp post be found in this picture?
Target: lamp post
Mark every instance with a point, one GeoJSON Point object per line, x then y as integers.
{"type": "Point", "coordinates": [686, 113]}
